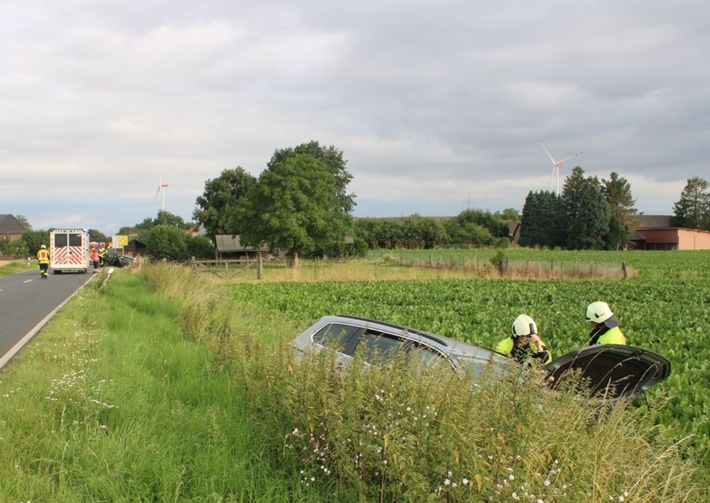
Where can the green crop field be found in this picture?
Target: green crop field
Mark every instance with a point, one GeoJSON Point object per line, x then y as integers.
{"type": "Point", "coordinates": [664, 309]}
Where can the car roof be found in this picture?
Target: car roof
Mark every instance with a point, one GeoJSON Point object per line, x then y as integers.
{"type": "Point", "coordinates": [450, 347]}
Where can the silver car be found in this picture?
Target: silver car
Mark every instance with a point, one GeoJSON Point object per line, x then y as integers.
{"type": "Point", "coordinates": [610, 370]}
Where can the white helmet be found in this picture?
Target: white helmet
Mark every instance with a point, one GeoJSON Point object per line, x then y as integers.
{"type": "Point", "coordinates": [523, 326]}
{"type": "Point", "coordinates": [598, 312]}
{"type": "Point", "coordinates": [43, 246]}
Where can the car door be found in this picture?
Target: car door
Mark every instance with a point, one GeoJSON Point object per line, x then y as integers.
{"type": "Point", "coordinates": [611, 371]}
{"type": "Point", "coordinates": [376, 346]}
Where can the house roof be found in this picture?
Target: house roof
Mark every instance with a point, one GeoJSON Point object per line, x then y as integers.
{"type": "Point", "coordinates": [653, 221]}
{"type": "Point", "coordinates": [10, 225]}
{"type": "Point", "coordinates": [228, 243]}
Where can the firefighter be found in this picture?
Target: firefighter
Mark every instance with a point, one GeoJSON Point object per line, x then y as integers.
{"type": "Point", "coordinates": [43, 259]}
{"type": "Point", "coordinates": [524, 342]}
{"type": "Point", "coordinates": [95, 258]}
{"type": "Point", "coordinates": [605, 326]}
{"type": "Point", "coordinates": [103, 253]}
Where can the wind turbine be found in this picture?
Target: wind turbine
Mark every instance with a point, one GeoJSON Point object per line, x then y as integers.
{"type": "Point", "coordinates": [556, 165]}
{"type": "Point", "coordinates": [161, 190]}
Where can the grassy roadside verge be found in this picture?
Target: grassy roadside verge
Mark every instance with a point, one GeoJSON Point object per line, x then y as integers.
{"type": "Point", "coordinates": [111, 403]}
{"type": "Point", "coordinates": [8, 267]}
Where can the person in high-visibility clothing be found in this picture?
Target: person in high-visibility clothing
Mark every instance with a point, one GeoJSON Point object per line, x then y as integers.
{"type": "Point", "coordinates": [605, 326]}
{"type": "Point", "coordinates": [43, 259]}
{"type": "Point", "coordinates": [95, 258]}
{"type": "Point", "coordinates": [524, 343]}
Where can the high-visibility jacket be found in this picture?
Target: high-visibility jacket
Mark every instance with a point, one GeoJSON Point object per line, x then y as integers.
{"type": "Point", "coordinates": [43, 256]}
{"type": "Point", "coordinates": [605, 335]}
{"type": "Point", "coordinates": [507, 347]}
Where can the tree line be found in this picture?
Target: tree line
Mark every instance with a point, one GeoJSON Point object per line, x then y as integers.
{"type": "Point", "coordinates": [300, 205]}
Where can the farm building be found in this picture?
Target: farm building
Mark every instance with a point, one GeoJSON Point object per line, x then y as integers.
{"type": "Point", "coordinates": [227, 246]}
{"type": "Point", "coordinates": [136, 248]}
{"type": "Point", "coordinates": [10, 228]}
{"type": "Point", "coordinates": [670, 238]}
{"type": "Point", "coordinates": [654, 232]}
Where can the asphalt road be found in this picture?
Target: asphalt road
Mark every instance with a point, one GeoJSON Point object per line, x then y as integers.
{"type": "Point", "coordinates": [27, 303]}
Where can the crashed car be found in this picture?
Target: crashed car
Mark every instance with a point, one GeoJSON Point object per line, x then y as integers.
{"type": "Point", "coordinates": [609, 371]}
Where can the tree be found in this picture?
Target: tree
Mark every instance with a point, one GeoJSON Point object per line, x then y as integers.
{"type": "Point", "coordinates": [692, 210]}
{"type": "Point", "coordinates": [544, 221]}
{"type": "Point", "coordinates": [15, 249]}
{"type": "Point", "coordinates": [507, 214]}
{"type": "Point", "coordinates": [168, 242]}
{"type": "Point", "coordinates": [98, 236]}
{"type": "Point", "coordinates": [199, 246]}
{"type": "Point", "coordinates": [25, 223]}
{"type": "Point", "coordinates": [35, 239]}
{"type": "Point", "coordinates": [218, 203]}
{"type": "Point", "coordinates": [390, 234]}
{"type": "Point", "coordinates": [142, 230]}
{"type": "Point", "coordinates": [332, 158]}
{"type": "Point", "coordinates": [622, 214]}
{"type": "Point", "coordinates": [571, 195]}
{"type": "Point", "coordinates": [166, 218]}
{"type": "Point", "coordinates": [591, 222]}
{"type": "Point", "coordinates": [587, 211]}
{"type": "Point", "coordinates": [421, 232]}
{"type": "Point", "coordinates": [293, 207]}
{"type": "Point", "coordinates": [475, 228]}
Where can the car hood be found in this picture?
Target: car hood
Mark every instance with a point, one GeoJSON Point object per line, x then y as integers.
{"type": "Point", "coordinates": [611, 371]}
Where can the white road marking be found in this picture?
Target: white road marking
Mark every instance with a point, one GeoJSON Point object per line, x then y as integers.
{"type": "Point", "coordinates": [28, 281]}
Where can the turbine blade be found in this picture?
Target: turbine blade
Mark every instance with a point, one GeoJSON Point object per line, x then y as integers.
{"type": "Point", "coordinates": [567, 158]}
{"type": "Point", "coordinates": [548, 153]}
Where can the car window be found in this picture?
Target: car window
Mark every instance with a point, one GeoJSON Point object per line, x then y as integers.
{"type": "Point", "coordinates": [377, 346]}
{"type": "Point", "coordinates": [425, 355]}
{"type": "Point", "coordinates": [477, 367]}
{"type": "Point", "coordinates": [334, 334]}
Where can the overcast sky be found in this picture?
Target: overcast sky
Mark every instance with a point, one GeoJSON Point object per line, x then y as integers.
{"type": "Point", "coordinates": [437, 105]}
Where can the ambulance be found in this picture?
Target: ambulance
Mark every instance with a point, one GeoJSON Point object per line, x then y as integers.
{"type": "Point", "coordinates": [69, 250]}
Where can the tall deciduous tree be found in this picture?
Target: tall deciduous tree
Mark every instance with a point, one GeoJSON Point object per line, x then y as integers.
{"type": "Point", "coordinates": [692, 210]}
{"type": "Point", "coordinates": [218, 203]}
{"type": "Point", "coordinates": [332, 158]}
{"type": "Point", "coordinates": [617, 192]}
{"type": "Point", "coordinates": [293, 207]}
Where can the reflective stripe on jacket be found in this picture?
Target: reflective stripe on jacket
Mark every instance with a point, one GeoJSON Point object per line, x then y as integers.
{"type": "Point", "coordinates": [43, 256]}
{"type": "Point", "coordinates": [507, 348]}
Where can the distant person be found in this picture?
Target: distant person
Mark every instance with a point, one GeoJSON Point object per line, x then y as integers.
{"type": "Point", "coordinates": [103, 254]}
{"type": "Point", "coordinates": [95, 258]}
{"type": "Point", "coordinates": [524, 344]}
{"type": "Point", "coordinates": [605, 326]}
{"type": "Point", "coordinates": [43, 259]}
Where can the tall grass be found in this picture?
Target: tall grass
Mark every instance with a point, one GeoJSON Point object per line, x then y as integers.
{"type": "Point", "coordinates": [177, 392]}
{"type": "Point", "coordinates": [8, 267]}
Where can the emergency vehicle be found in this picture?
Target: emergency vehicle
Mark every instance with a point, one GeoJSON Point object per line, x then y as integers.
{"type": "Point", "coordinates": [69, 250]}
